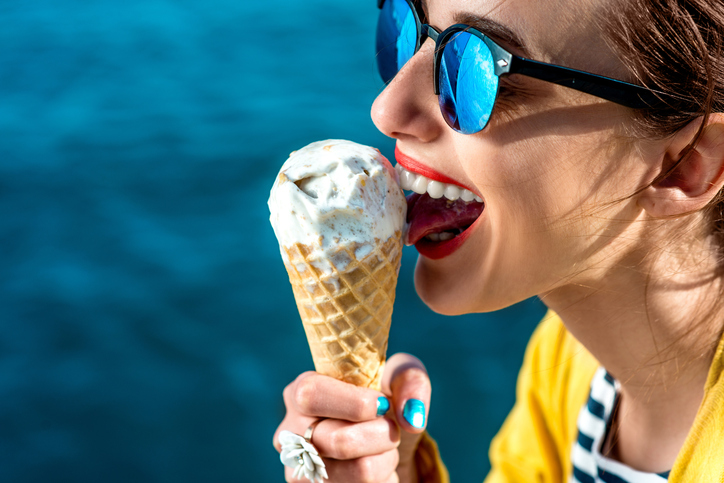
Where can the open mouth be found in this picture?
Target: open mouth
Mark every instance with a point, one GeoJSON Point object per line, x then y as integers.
{"type": "Point", "coordinates": [439, 214]}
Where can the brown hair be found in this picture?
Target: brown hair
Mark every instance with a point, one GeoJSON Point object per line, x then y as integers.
{"type": "Point", "coordinates": [673, 46]}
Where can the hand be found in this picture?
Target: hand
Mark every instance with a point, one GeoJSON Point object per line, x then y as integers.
{"type": "Point", "coordinates": [355, 443]}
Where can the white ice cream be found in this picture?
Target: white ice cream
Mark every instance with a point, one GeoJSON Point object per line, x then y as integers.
{"type": "Point", "coordinates": [332, 192]}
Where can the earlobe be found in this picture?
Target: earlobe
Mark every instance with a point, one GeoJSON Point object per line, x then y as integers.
{"type": "Point", "coordinates": [694, 177]}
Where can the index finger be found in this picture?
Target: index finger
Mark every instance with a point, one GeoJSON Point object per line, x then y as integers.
{"type": "Point", "coordinates": [313, 394]}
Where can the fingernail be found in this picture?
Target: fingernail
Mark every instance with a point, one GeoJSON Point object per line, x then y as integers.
{"type": "Point", "coordinates": [383, 405]}
{"type": "Point", "coordinates": [414, 413]}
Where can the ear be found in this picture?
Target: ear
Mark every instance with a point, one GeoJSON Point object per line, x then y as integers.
{"type": "Point", "coordinates": [697, 179]}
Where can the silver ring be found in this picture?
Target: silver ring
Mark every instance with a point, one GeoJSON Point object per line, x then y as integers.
{"type": "Point", "coordinates": [310, 430]}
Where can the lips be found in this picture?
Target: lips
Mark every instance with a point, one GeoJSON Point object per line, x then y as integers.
{"type": "Point", "coordinates": [415, 166]}
{"type": "Point", "coordinates": [440, 213]}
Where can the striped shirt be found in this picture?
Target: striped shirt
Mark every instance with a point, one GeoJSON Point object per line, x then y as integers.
{"type": "Point", "coordinates": [589, 465]}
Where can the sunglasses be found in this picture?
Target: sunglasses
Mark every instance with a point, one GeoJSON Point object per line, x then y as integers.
{"type": "Point", "coordinates": [468, 65]}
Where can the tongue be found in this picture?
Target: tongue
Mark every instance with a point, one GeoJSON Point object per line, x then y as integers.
{"type": "Point", "coordinates": [427, 215]}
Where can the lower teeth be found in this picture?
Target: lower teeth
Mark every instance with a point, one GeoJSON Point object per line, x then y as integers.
{"type": "Point", "coordinates": [438, 237]}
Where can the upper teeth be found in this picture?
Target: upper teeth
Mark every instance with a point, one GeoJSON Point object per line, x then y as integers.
{"type": "Point", "coordinates": [420, 184]}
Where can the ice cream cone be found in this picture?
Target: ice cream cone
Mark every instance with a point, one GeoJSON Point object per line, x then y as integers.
{"type": "Point", "coordinates": [347, 312]}
{"type": "Point", "coordinates": [338, 213]}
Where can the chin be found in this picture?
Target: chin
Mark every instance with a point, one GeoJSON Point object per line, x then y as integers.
{"type": "Point", "coordinates": [449, 295]}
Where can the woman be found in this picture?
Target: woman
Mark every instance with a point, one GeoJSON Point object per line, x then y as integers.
{"type": "Point", "coordinates": [600, 197]}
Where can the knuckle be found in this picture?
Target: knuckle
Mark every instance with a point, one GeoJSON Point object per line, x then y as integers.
{"type": "Point", "coordinates": [290, 390]}
{"type": "Point", "coordinates": [366, 469]}
{"type": "Point", "coordinates": [305, 394]}
{"type": "Point", "coordinates": [395, 455]}
{"type": "Point", "coordinates": [393, 478]}
{"type": "Point", "coordinates": [413, 378]}
{"type": "Point", "coordinates": [417, 375]}
{"type": "Point", "coordinates": [287, 394]}
{"type": "Point", "coordinates": [360, 410]}
{"type": "Point", "coordinates": [275, 441]}
{"type": "Point", "coordinates": [342, 443]}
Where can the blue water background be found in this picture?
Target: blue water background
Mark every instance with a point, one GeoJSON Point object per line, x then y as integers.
{"type": "Point", "coordinates": [147, 327]}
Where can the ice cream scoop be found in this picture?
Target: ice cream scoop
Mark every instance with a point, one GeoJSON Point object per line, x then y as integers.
{"type": "Point", "coordinates": [338, 213]}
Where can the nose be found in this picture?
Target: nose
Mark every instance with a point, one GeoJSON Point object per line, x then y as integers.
{"type": "Point", "coordinates": [408, 107]}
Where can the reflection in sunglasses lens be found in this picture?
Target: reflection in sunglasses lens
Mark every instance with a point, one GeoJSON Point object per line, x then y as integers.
{"type": "Point", "coordinates": [396, 37]}
{"type": "Point", "coordinates": [468, 84]}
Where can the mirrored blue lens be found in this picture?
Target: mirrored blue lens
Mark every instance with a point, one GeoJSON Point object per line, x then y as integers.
{"type": "Point", "coordinates": [468, 84]}
{"type": "Point", "coordinates": [396, 37]}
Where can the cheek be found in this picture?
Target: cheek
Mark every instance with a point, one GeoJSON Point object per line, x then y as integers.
{"type": "Point", "coordinates": [526, 185]}
{"type": "Point", "coordinates": [548, 202]}
{"type": "Point", "coordinates": [558, 213]}
{"type": "Point", "coordinates": [545, 197]}
{"type": "Point", "coordinates": [550, 178]}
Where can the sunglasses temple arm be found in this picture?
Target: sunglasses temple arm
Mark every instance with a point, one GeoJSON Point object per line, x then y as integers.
{"type": "Point", "coordinates": [613, 90]}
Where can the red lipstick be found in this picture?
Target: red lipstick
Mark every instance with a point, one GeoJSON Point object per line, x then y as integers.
{"type": "Point", "coordinates": [427, 215]}
{"type": "Point", "coordinates": [438, 250]}
{"type": "Point", "coordinates": [417, 167]}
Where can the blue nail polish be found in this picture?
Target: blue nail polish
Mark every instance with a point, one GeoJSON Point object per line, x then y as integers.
{"type": "Point", "coordinates": [383, 405]}
{"type": "Point", "coordinates": [414, 413]}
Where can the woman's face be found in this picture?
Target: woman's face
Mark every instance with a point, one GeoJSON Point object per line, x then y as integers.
{"type": "Point", "coordinates": [547, 165]}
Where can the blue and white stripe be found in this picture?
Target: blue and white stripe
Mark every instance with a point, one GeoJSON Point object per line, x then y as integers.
{"type": "Point", "coordinates": [589, 465]}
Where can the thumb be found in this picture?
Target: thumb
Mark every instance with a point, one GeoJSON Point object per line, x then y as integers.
{"type": "Point", "coordinates": [407, 382]}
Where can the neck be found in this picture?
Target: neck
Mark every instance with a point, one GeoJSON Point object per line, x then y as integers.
{"type": "Point", "coordinates": [657, 336]}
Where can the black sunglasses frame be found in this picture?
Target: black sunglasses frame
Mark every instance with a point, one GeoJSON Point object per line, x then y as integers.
{"type": "Point", "coordinates": [619, 92]}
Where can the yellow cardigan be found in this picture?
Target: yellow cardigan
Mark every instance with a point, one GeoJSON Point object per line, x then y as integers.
{"type": "Point", "coordinates": [535, 442]}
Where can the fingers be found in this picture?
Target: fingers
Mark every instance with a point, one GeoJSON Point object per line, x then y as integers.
{"type": "Point", "coordinates": [407, 380]}
{"type": "Point", "coordinates": [320, 396]}
{"type": "Point", "coordinates": [367, 469]}
{"type": "Point", "coordinates": [344, 440]}
{"type": "Point", "coordinates": [355, 442]}
{"type": "Point", "coordinates": [312, 396]}
{"type": "Point", "coordinates": [378, 468]}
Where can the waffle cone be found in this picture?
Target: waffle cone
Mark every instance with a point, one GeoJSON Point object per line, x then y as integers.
{"type": "Point", "coordinates": [347, 312]}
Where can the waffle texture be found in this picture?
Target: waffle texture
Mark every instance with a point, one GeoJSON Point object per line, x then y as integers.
{"type": "Point", "coordinates": [347, 312]}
